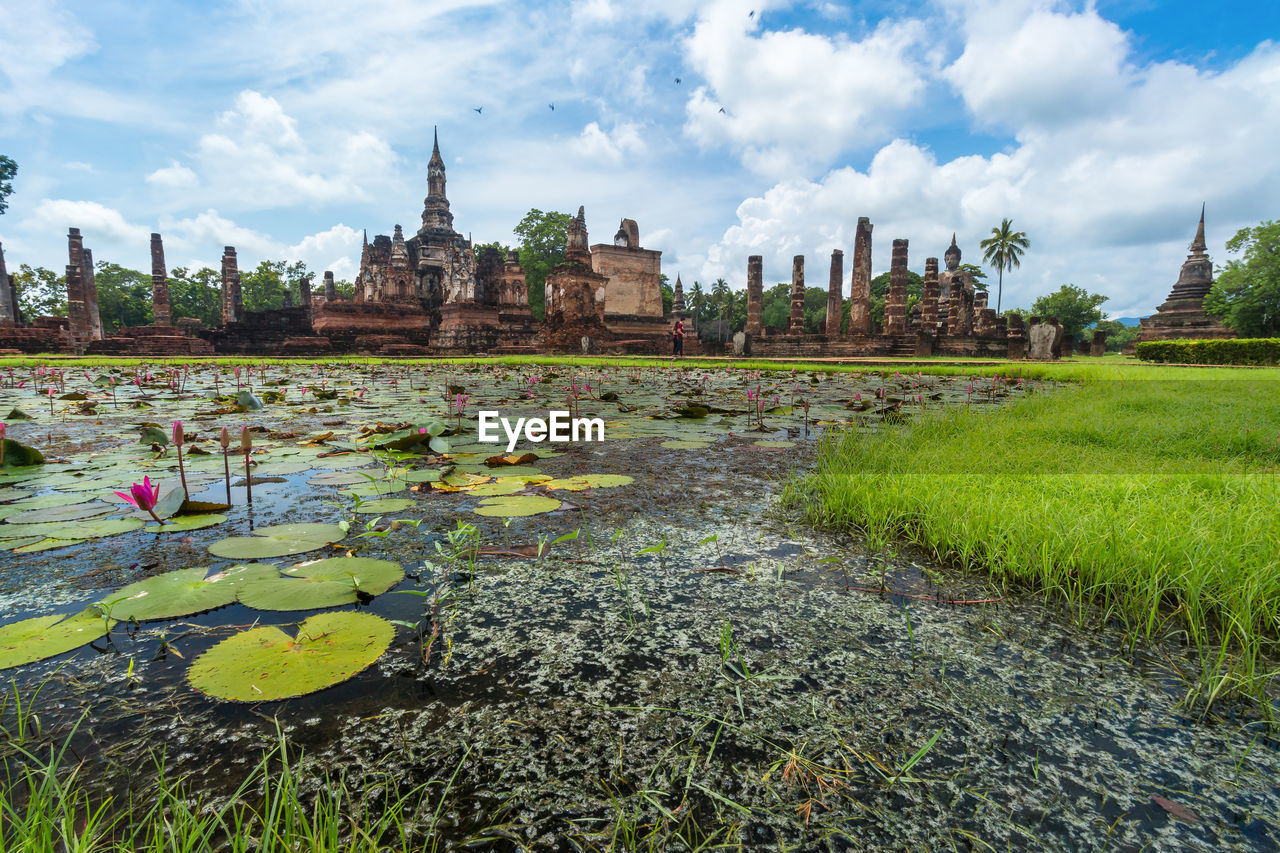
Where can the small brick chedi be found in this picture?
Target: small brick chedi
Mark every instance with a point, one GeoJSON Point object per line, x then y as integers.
{"type": "Point", "coordinates": [1182, 314]}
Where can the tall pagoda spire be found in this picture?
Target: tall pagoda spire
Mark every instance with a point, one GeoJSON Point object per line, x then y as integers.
{"type": "Point", "coordinates": [1198, 245]}
{"type": "Point", "coordinates": [435, 207]}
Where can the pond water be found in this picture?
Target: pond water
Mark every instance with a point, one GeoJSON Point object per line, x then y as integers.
{"type": "Point", "coordinates": [693, 665]}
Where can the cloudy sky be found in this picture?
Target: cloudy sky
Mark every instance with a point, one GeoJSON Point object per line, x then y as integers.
{"type": "Point", "coordinates": [725, 128]}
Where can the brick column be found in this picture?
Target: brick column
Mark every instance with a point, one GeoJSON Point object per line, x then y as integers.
{"type": "Point", "coordinates": [860, 284]}
{"type": "Point", "coordinates": [232, 309]}
{"type": "Point", "coordinates": [835, 298]}
{"type": "Point", "coordinates": [91, 298]}
{"type": "Point", "coordinates": [796, 324]}
{"type": "Point", "coordinates": [8, 314]}
{"type": "Point", "coordinates": [161, 314]}
{"type": "Point", "coordinates": [755, 295]}
{"type": "Point", "coordinates": [330, 290]}
{"type": "Point", "coordinates": [895, 306]}
{"type": "Point", "coordinates": [929, 299]}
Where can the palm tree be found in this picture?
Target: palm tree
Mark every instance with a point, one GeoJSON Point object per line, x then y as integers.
{"type": "Point", "coordinates": [1003, 251]}
{"type": "Point", "coordinates": [696, 298]}
{"type": "Point", "coordinates": [720, 293]}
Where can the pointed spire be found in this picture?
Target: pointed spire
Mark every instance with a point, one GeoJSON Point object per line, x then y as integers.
{"type": "Point", "coordinates": [953, 239]}
{"type": "Point", "coordinates": [582, 214]}
{"type": "Point", "coordinates": [1198, 245]}
{"type": "Point", "coordinates": [435, 140]}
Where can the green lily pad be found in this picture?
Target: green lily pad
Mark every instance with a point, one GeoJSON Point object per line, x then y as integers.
{"type": "Point", "coordinates": [280, 540]}
{"type": "Point", "coordinates": [247, 401]}
{"type": "Point", "coordinates": [16, 414]}
{"type": "Point", "coordinates": [70, 512]}
{"type": "Point", "coordinates": [322, 583]}
{"type": "Point", "coordinates": [265, 664]}
{"type": "Point", "coordinates": [181, 593]}
{"type": "Point", "coordinates": [86, 528]}
{"type": "Point", "coordinates": [183, 523]}
{"type": "Point", "coordinates": [589, 481]}
{"type": "Point", "coordinates": [384, 505]}
{"type": "Point", "coordinates": [46, 545]}
{"type": "Point", "coordinates": [516, 505]}
{"type": "Point", "coordinates": [20, 456]}
{"type": "Point", "coordinates": [421, 475]}
{"type": "Point", "coordinates": [153, 435]}
{"type": "Point", "coordinates": [46, 636]}
{"type": "Point", "coordinates": [776, 444]}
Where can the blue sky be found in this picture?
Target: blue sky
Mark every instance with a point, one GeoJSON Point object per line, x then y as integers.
{"type": "Point", "coordinates": [284, 128]}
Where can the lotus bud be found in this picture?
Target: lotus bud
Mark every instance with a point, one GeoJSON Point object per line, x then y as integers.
{"type": "Point", "coordinates": [246, 442]}
{"type": "Point", "coordinates": [225, 438]}
{"type": "Point", "coordinates": [178, 434]}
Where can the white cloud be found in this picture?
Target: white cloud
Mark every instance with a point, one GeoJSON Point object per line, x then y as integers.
{"type": "Point", "coordinates": [1038, 67]}
{"type": "Point", "coordinates": [39, 38]}
{"type": "Point", "coordinates": [175, 176]}
{"type": "Point", "coordinates": [787, 100]}
{"type": "Point", "coordinates": [612, 146]}
{"type": "Point", "coordinates": [95, 221]}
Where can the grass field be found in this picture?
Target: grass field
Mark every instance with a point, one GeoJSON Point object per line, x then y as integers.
{"type": "Point", "coordinates": [1152, 498]}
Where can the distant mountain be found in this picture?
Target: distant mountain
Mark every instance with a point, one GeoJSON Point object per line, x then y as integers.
{"type": "Point", "coordinates": [1128, 321]}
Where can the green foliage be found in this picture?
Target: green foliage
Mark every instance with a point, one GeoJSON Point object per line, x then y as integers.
{"type": "Point", "coordinates": [978, 273]}
{"type": "Point", "coordinates": [1232, 351]}
{"type": "Point", "coordinates": [196, 294]}
{"type": "Point", "coordinates": [1151, 502]}
{"type": "Point", "coordinates": [1003, 251]}
{"type": "Point", "coordinates": [1119, 335]}
{"type": "Point", "coordinates": [264, 288]}
{"type": "Point", "coordinates": [668, 294]}
{"type": "Point", "coordinates": [1247, 293]}
{"type": "Point", "coordinates": [542, 239]}
{"type": "Point", "coordinates": [124, 296]}
{"type": "Point", "coordinates": [880, 293]}
{"type": "Point", "coordinates": [1074, 307]}
{"type": "Point", "coordinates": [41, 292]}
{"type": "Point", "coordinates": [8, 171]}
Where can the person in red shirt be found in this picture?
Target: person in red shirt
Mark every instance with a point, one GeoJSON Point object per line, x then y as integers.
{"type": "Point", "coordinates": [677, 338]}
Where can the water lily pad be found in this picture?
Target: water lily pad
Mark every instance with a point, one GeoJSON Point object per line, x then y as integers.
{"type": "Point", "coordinates": [181, 593]}
{"type": "Point", "coordinates": [86, 528]}
{"type": "Point", "coordinates": [516, 505]}
{"type": "Point", "coordinates": [183, 523]}
{"type": "Point", "coordinates": [280, 540]}
{"type": "Point", "coordinates": [421, 475]}
{"type": "Point", "coordinates": [384, 505]}
{"type": "Point", "coordinates": [265, 664]}
{"type": "Point", "coordinates": [69, 512]}
{"type": "Point", "coordinates": [46, 545]}
{"type": "Point", "coordinates": [589, 481]}
{"type": "Point", "coordinates": [322, 583]}
{"type": "Point", "coordinates": [47, 636]}
{"type": "Point", "coordinates": [19, 455]}
{"type": "Point", "coordinates": [247, 401]}
{"type": "Point", "coordinates": [775, 444]}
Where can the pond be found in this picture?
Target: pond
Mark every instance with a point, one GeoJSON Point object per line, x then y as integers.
{"type": "Point", "coordinates": [619, 644]}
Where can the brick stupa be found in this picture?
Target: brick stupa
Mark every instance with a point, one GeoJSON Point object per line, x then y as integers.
{"type": "Point", "coordinates": [1182, 315]}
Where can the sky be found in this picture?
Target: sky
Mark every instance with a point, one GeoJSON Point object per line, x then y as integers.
{"type": "Point", "coordinates": [724, 128]}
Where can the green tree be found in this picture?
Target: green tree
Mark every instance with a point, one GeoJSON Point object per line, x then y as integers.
{"type": "Point", "coordinates": [880, 294]}
{"type": "Point", "coordinates": [8, 171]}
{"type": "Point", "coordinates": [1003, 251]}
{"type": "Point", "coordinates": [978, 273]}
{"type": "Point", "coordinates": [1119, 335]}
{"type": "Point", "coordinates": [196, 294]}
{"type": "Point", "coordinates": [668, 294]}
{"type": "Point", "coordinates": [542, 238]}
{"type": "Point", "coordinates": [264, 288]}
{"type": "Point", "coordinates": [696, 302]}
{"type": "Point", "coordinates": [124, 296]}
{"type": "Point", "coordinates": [775, 307]}
{"type": "Point", "coordinates": [1074, 307]}
{"type": "Point", "coordinates": [1247, 293]}
{"type": "Point", "coordinates": [41, 292]}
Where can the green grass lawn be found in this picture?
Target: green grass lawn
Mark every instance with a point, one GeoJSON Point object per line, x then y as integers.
{"type": "Point", "coordinates": [1155, 499]}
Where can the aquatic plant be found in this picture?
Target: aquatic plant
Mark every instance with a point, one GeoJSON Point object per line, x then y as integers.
{"type": "Point", "coordinates": [143, 496]}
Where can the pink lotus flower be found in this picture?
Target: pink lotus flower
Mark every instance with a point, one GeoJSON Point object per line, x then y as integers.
{"type": "Point", "coordinates": [143, 496]}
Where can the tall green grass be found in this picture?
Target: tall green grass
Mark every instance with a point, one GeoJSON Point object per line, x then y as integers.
{"type": "Point", "coordinates": [1157, 502]}
{"type": "Point", "coordinates": [46, 807]}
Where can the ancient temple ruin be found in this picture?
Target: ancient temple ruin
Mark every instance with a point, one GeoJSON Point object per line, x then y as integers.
{"type": "Point", "coordinates": [950, 318]}
{"type": "Point", "coordinates": [1182, 315]}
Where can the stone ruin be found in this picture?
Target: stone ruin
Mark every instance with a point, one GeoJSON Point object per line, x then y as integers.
{"type": "Point", "coordinates": [951, 317]}
{"type": "Point", "coordinates": [1182, 315]}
